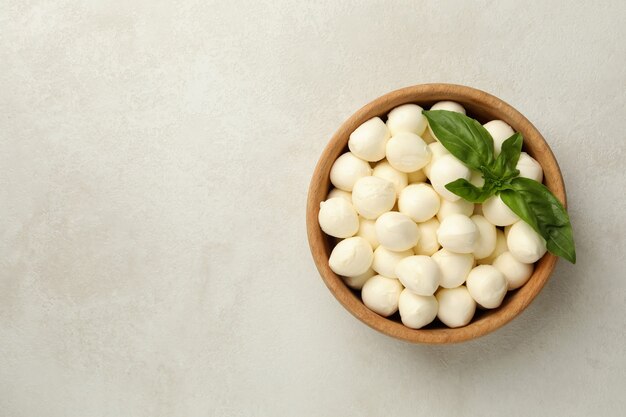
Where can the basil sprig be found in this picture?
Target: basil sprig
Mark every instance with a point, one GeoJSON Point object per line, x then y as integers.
{"type": "Point", "coordinates": [471, 143]}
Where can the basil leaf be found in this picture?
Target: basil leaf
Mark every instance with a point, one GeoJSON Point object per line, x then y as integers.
{"type": "Point", "coordinates": [465, 189]}
{"type": "Point", "coordinates": [463, 137]}
{"type": "Point", "coordinates": [537, 206]}
{"type": "Point", "coordinates": [506, 163]}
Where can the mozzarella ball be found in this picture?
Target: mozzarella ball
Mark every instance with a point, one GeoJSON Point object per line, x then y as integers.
{"type": "Point", "coordinates": [497, 212]}
{"type": "Point", "coordinates": [347, 169]}
{"type": "Point", "coordinates": [427, 136]}
{"type": "Point", "coordinates": [529, 167]}
{"type": "Point", "coordinates": [500, 131]}
{"type": "Point", "coordinates": [416, 176]}
{"type": "Point", "coordinates": [445, 170]}
{"type": "Point", "coordinates": [407, 152]}
{"type": "Point", "coordinates": [384, 170]}
{"type": "Point", "coordinates": [454, 267]}
{"type": "Point", "coordinates": [516, 273]}
{"type": "Point", "coordinates": [337, 193]}
{"type": "Point", "coordinates": [486, 243]}
{"type": "Point", "coordinates": [419, 273]}
{"type": "Point", "coordinates": [381, 295]}
{"type": "Point", "coordinates": [455, 207]}
{"type": "Point", "coordinates": [419, 201]}
{"type": "Point", "coordinates": [407, 118]}
{"type": "Point", "coordinates": [500, 249]}
{"type": "Point", "coordinates": [367, 230]}
{"type": "Point", "coordinates": [456, 306]}
{"type": "Point", "coordinates": [358, 281]}
{"type": "Point", "coordinates": [368, 140]}
{"type": "Point", "coordinates": [337, 218]}
{"type": "Point", "coordinates": [525, 244]}
{"type": "Point", "coordinates": [507, 229]}
{"type": "Point", "coordinates": [385, 261]}
{"type": "Point", "coordinates": [449, 106]}
{"type": "Point", "coordinates": [457, 233]}
{"type": "Point", "coordinates": [373, 196]}
{"type": "Point", "coordinates": [487, 286]}
{"type": "Point", "coordinates": [396, 231]}
{"type": "Point", "coordinates": [477, 179]}
{"type": "Point", "coordinates": [437, 150]}
{"type": "Point", "coordinates": [428, 243]}
{"type": "Point", "coordinates": [351, 257]}
{"type": "Point", "coordinates": [416, 311]}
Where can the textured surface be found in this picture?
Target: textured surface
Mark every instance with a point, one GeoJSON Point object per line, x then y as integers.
{"type": "Point", "coordinates": [154, 163]}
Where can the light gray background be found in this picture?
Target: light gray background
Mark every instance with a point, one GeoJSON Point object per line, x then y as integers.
{"type": "Point", "coordinates": [154, 163]}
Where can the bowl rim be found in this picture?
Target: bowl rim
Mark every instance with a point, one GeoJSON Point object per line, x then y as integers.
{"type": "Point", "coordinates": [534, 143]}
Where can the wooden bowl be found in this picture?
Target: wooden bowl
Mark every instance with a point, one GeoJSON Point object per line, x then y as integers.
{"type": "Point", "coordinates": [483, 107]}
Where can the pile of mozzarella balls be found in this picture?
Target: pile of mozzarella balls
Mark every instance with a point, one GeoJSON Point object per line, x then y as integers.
{"type": "Point", "coordinates": [408, 243]}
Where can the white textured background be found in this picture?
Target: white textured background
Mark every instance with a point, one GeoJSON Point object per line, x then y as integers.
{"type": "Point", "coordinates": [154, 163]}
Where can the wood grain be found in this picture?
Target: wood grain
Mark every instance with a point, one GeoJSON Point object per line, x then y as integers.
{"type": "Point", "coordinates": [481, 106]}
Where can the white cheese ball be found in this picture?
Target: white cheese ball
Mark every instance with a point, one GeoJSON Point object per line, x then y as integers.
{"type": "Point", "coordinates": [396, 231]}
{"type": "Point", "coordinates": [385, 261]}
{"type": "Point", "coordinates": [477, 179]}
{"type": "Point", "coordinates": [416, 176]}
{"type": "Point", "coordinates": [416, 311]}
{"type": "Point", "coordinates": [437, 150]}
{"type": "Point", "coordinates": [529, 167]}
{"type": "Point", "coordinates": [525, 244]}
{"type": "Point", "coordinates": [407, 152]}
{"type": "Point", "coordinates": [406, 118]}
{"type": "Point", "coordinates": [358, 281]}
{"type": "Point", "coordinates": [367, 230]}
{"type": "Point", "coordinates": [351, 257]}
{"type": "Point", "coordinates": [338, 218]}
{"type": "Point", "coordinates": [428, 137]}
{"type": "Point", "coordinates": [500, 249]}
{"type": "Point", "coordinates": [373, 196]}
{"type": "Point", "coordinates": [368, 141]}
{"type": "Point", "coordinates": [487, 286]}
{"type": "Point", "coordinates": [454, 267]}
{"type": "Point", "coordinates": [384, 170]}
{"type": "Point", "coordinates": [419, 201]}
{"type": "Point", "coordinates": [381, 295]}
{"type": "Point", "coordinates": [500, 131]}
{"type": "Point", "coordinates": [487, 237]}
{"type": "Point", "coordinates": [456, 306]}
{"type": "Point", "coordinates": [428, 243]}
{"type": "Point", "coordinates": [455, 207]}
{"type": "Point", "coordinates": [497, 212]}
{"type": "Point", "coordinates": [445, 170]}
{"type": "Point", "coordinates": [516, 273]}
{"type": "Point", "coordinates": [449, 106]}
{"type": "Point", "coordinates": [419, 274]}
{"type": "Point", "coordinates": [457, 233]}
{"type": "Point", "coordinates": [337, 193]}
{"type": "Point", "coordinates": [347, 169]}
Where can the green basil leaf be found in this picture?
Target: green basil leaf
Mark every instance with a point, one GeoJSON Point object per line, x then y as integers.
{"type": "Point", "coordinates": [537, 206]}
{"type": "Point", "coordinates": [468, 191]}
{"type": "Point", "coordinates": [506, 163]}
{"type": "Point", "coordinates": [463, 137]}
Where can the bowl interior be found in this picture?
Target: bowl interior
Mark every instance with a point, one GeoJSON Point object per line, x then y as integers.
{"type": "Point", "coordinates": [483, 107]}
